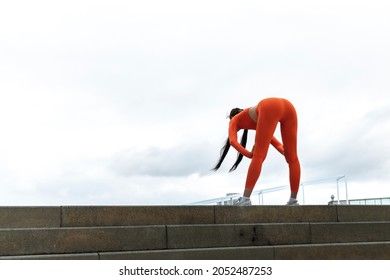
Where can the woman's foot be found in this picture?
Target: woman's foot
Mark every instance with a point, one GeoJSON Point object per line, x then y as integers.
{"type": "Point", "coordinates": [242, 201]}
{"type": "Point", "coordinates": [292, 202]}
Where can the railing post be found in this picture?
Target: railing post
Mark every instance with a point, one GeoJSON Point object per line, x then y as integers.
{"type": "Point", "coordinates": [346, 189]}
{"type": "Point", "coordinates": [338, 191]}
{"type": "Point", "coordinates": [261, 200]}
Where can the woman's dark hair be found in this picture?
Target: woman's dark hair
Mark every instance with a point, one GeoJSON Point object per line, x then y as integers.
{"type": "Point", "coordinates": [226, 147]}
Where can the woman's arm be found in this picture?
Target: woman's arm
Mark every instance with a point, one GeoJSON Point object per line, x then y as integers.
{"type": "Point", "coordinates": [233, 141]}
{"type": "Point", "coordinates": [277, 145]}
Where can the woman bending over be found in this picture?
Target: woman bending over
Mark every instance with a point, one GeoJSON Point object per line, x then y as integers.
{"type": "Point", "coordinates": [263, 118]}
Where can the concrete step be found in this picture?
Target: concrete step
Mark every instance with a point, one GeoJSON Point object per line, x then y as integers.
{"type": "Point", "coordinates": [341, 251]}
{"type": "Point", "coordinates": [95, 216]}
{"type": "Point", "coordinates": [156, 237]}
{"type": "Point", "coordinates": [192, 232]}
{"type": "Point", "coordinates": [80, 240]}
{"type": "Point", "coordinates": [357, 251]}
{"type": "Point", "coordinates": [25, 217]}
{"type": "Point", "coordinates": [208, 236]}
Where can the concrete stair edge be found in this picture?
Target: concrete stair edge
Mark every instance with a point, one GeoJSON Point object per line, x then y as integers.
{"type": "Point", "coordinates": [77, 240]}
{"type": "Point", "coordinates": [89, 216]}
{"type": "Point", "coordinates": [328, 251]}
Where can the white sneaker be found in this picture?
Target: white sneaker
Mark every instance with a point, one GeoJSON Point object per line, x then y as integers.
{"type": "Point", "coordinates": [292, 202]}
{"type": "Point", "coordinates": [242, 202]}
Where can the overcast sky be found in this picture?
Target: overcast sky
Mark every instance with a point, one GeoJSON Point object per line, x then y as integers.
{"type": "Point", "coordinates": [125, 102]}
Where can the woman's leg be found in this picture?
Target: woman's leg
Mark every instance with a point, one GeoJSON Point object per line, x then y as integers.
{"type": "Point", "coordinates": [266, 125]}
{"type": "Point", "coordinates": [289, 128]}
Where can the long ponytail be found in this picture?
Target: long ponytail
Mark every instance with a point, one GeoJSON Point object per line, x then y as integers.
{"type": "Point", "coordinates": [226, 146]}
{"type": "Point", "coordinates": [223, 153]}
{"type": "Point", "coordinates": [239, 155]}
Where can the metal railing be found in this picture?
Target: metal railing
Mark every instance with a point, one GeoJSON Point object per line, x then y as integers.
{"type": "Point", "coordinates": [366, 201]}
{"type": "Point", "coordinates": [228, 199]}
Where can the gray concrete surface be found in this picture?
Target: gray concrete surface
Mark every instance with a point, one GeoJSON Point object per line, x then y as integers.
{"type": "Point", "coordinates": [73, 216]}
{"type": "Point", "coordinates": [202, 236]}
{"type": "Point", "coordinates": [360, 213]}
{"type": "Point", "coordinates": [195, 232]}
{"type": "Point", "coordinates": [80, 240]}
{"type": "Point", "coordinates": [29, 217]}
{"type": "Point", "coordinates": [342, 251]}
{"type": "Point", "coordinates": [275, 214]}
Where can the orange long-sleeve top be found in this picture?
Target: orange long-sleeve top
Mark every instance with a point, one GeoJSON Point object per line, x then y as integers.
{"type": "Point", "coordinates": [244, 121]}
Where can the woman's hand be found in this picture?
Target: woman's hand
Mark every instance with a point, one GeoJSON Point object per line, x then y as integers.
{"type": "Point", "coordinates": [253, 149]}
{"type": "Point", "coordinates": [281, 149]}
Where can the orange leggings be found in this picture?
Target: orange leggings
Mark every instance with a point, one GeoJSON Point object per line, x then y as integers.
{"type": "Point", "coordinates": [270, 112]}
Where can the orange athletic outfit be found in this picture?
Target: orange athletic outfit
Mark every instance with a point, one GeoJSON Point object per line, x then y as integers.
{"type": "Point", "coordinates": [270, 112]}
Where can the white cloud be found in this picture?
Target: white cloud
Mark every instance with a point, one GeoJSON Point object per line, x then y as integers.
{"type": "Point", "coordinates": [171, 162]}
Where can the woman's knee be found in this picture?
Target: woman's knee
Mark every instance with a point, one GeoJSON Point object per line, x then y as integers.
{"type": "Point", "coordinates": [291, 158]}
{"type": "Point", "coordinates": [259, 156]}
